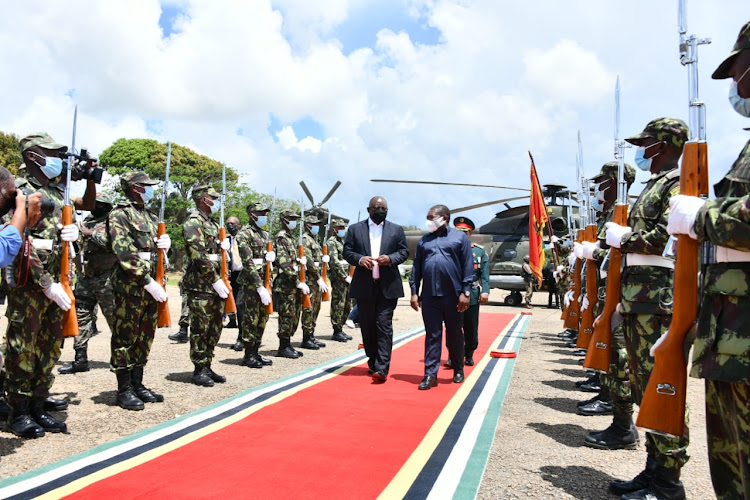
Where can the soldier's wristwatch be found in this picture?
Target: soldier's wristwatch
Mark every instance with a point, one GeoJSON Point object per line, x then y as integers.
{"type": "Point", "coordinates": [467, 293]}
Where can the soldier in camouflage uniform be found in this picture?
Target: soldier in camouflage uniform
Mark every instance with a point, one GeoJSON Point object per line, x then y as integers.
{"type": "Point", "coordinates": [338, 272]}
{"type": "Point", "coordinates": [287, 286]}
{"type": "Point", "coordinates": [646, 295]}
{"type": "Point", "coordinates": [528, 280]}
{"type": "Point", "coordinates": [94, 287]}
{"type": "Point", "coordinates": [206, 290]}
{"type": "Point", "coordinates": [251, 242]}
{"type": "Point", "coordinates": [314, 258]}
{"type": "Point", "coordinates": [132, 230]}
{"type": "Point", "coordinates": [722, 344]}
{"type": "Point", "coordinates": [36, 300]}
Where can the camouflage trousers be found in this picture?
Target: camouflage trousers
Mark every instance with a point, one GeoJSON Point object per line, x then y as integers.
{"type": "Point", "coordinates": [341, 304]}
{"type": "Point", "coordinates": [206, 313]}
{"type": "Point", "coordinates": [184, 312]}
{"type": "Point", "coordinates": [288, 305]}
{"type": "Point", "coordinates": [89, 292]}
{"type": "Point", "coordinates": [616, 380]}
{"type": "Point", "coordinates": [33, 338]}
{"type": "Point", "coordinates": [254, 316]}
{"type": "Point", "coordinates": [727, 427]}
{"type": "Point", "coordinates": [310, 315]}
{"type": "Point", "coordinates": [641, 331]}
{"type": "Point", "coordinates": [529, 292]}
{"type": "Point", "coordinates": [134, 328]}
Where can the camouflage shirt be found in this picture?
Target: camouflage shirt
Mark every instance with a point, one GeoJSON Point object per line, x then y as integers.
{"type": "Point", "coordinates": [96, 252]}
{"type": "Point", "coordinates": [338, 267]}
{"type": "Point", "coordinates": [132, 229]}
{"type": "Point", "coordinates": [251, 242]}
{"type": "Point", "coordinates": [286, 257]}
{"type": "Point", "coordinates": [203, 250]}
{"type": "Point", "coordinates": [314, 257]}
{"type": "Point", "coordinates": [645, 289]}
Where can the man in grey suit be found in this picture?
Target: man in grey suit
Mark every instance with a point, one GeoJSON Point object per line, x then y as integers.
{"type": "Point", "coordinates": [376, 247]}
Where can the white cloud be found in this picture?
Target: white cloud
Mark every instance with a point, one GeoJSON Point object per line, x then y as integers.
{"type": "Point", "coordinates": [288, 140]}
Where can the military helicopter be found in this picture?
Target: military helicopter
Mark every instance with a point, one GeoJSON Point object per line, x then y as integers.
{"type": "Point", "coordinates": [505, 238]}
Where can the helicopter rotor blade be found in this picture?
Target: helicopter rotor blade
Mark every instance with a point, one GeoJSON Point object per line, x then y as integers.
{"type": "Point", "coordinates": [486, 204]}
{"type": "Point", "coordinates": [307, 192]}
{"type": "Point", "coordinates": [330, 193]}
{"type": "Point", "coordinates": [448, 184]}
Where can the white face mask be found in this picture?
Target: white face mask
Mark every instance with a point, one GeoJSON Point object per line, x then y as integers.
{"type": "Point", "coordinates": [433, 225]}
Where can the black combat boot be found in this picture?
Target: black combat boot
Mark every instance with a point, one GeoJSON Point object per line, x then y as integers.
{"type": "Point", "coordinates": [264, 361]}
{"type": "Point", "coordinates": [621, 435]}
{"type": "Point", "coordinates": [639, 482]}
{"type": "Point", "coordinates": [19, 419]}
{"type": "Point", "coordinates": [80, 363]}
{"type": "Point", "coordinates": [309, 343]}
{"type": "Point", "coordinates": [232, 321]}
{"type": "Point", "coordinates": [52, 404]}
{"type": "Point", "coordinates": [250, 360]}
{"type": "Point", "coordinates": [44, 419]}
{"type": "Point", "coordinates": [588, 401]}
{"type": "Point", "coordinates": [320, 344]}
{"type": "Point", "coordinates": [180, 337]}
{"type": "Point", "coordinates": [286, 350]}
{"type": "Point", "coordinates": [348, 337]}
{"type": "Point", "coordinates": [238, 345]}
{"type": "Point", "coordinates": [665, 485]}
{"type": "Point", "coordinates": [4, 407]}
{"type": "Point", "coordinates": [593, 378]}
{"type": "Point", "coordinates": [144, 393]}
{"type": "Point", "coordinates": [202, 377]}
{"type": "Point", "coordinates": [598, 407]}
{"type": "Point", "coordinates": [220, 379]}
{"type": "Point", "coordinates": [339, 336]}
{"type": "Point", "coordinates": [126, 397]}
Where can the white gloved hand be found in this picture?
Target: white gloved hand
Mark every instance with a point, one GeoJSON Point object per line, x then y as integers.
{"type": "Point", "coordinates": [683, 211]}
{"type": "Point", "coordinates": [577, 250]}
{"type": "Point", "coordinates": [566, 298]}
{"type": "Point", "coordinates": [556, 276]}
{"type": "Point", "coordinates": [326, 259]}
{"type": "Point", "coordinates": [554, 239]}
{"type": "Point", "coordinates": [265, 297]}
{"type": "Point", "coordinates": [271, 256]}
{"type": "Point", "coordinates": [584, 303]}
{"type": "Point", "coordinates": [588, 249]}
{"type": "Point", "coordinates": [163, 242]}
{"type": "Point", "coordinates": [305, 289]}
{"type": "Point", "coordinates": [156, 291]}
{"type": "Point", "coordinates": [57, 294]}
{"type": "Point", "coordinates": [322, 285]}
{"type": "Point", "coordinates": [221, 288]}
{"type": "Point", "coordinates": [615, 232]}
{"type": "Point", "coordinates": [658, 341]}
{"type": "Point", "coordinates": [225, 245]}
{"type": "Point", "coordinates": [571, 259]}
{"type": "Point", "coordinates": [348, 279]}
{"type": "Point", "coordinates": [303, 261]}
{"type": "Point", "coordinates": [69, 233]}
{"type": "Point", "coordinates": [580, 298]}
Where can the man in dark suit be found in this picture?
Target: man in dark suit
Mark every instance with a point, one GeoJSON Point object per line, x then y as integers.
{"type": "Point", "coordinates": [376, 247]}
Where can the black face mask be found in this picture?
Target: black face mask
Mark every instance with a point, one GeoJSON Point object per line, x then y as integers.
{"type": "Point", "coordinates": [378, 215]}
{"type": "Point", "coordinates": [232, 229]}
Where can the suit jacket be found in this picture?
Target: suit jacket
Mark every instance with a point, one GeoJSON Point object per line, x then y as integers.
{"type": "Point", "coordinates": [392, 244]}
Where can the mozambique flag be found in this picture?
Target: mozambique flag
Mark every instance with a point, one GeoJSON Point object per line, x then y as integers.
{"type": "Point", "coordinates": [538, 218]}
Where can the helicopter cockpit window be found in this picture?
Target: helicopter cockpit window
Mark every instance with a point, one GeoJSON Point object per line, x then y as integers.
{"type": "Point", "coordinates": [509, 253]}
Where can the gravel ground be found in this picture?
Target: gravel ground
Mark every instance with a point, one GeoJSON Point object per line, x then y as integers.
{"type": "Point", "coordinates": [538, 450]}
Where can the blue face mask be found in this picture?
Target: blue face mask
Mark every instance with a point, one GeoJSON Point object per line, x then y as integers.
{"type": "Point", "coordinates": [147, 194]}
{"type": "Point", "coordinates": [292, 224]}
{"type": "Point", "coordinates": [215, 207]}
{"type": "Point", "coordinates": [314, 230]}
{"type": "Point", "coordinates": [52, 167]}
{"type": "Point", "coordinates": [640, 160]}
{"type": "Point", "coordinates": [262, 220]}
{"type": "Point", "coordinates": [341, 233]}
{"type": "Point", "coordinates": [740, 104]}
{"type": "Point", "coordinates": [597, 204]}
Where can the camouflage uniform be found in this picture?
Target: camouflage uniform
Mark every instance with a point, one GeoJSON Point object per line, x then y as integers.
{"type": "Point", "coordinates": [528, 279]}
{"type": "Point", "coordinates": [338, 271]}
{"type": "Point", "coordinates": [289, 303]}
{"type": "Point", "coordinates": [314, 256]}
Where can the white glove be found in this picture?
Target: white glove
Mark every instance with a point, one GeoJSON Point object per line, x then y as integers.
{"type": "Point", "coordinates": [69, 233]}
{"type": "Point", "coordinates": [577, 250]}
{"type": "Point", "coordinates": [305, 289]}
{"type": "Point", "coordinates": [156, 291]}
{"type": "Point", "coordinates": [588, 249]}
{"type": "Point", "coordinates": [560, 270]}
{"type": "Point", "coordinates": [580, 298]}
{"type": "Point", "coordinates": [615, 232]}
{"type": "Point", "coordinates": [57, 294]}
{"type": "Point", "coordinates": [303, 261]}
{"type": "Point", "coordinates": [326, 259]}
{"type": "Point", "coordinates": [271, 256]}
{"type": "Point", "coordinates": [225, 245]}
{"type": "Point", "coordinates": [585, 303]}
{"type": "Point", "coordinates": [348, 279]}
{"type": "Point", "coordinates": [163, 242]}
{"type": "Point", "coordinates": [556, 276]}
{"type": "Point", "coordinates": [683, 210]}
{"type": "Point", "coordinates": [554, 239]}
{"type": "Point", "coordinates": [664, 335]}
{"type": "Point", "coordinates": [322, 285]}
{"type": "Point", "coordinates": [571, 259]}
{"type": "Point", "coordinates": [221, 288]}
{"type": "Point", "coordinates": [265, 297]}
{"type": "Point", "coordinates": [568, 297]}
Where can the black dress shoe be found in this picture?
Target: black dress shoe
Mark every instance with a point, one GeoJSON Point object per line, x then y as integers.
{"type": "Point", "coordinates": [458, 377]}
{"type": "Point", "coordinates": [590, 387]}
{"type": "Point", "coordinates": [52, 404]}
{"type": "Point", "coordinates": [588, 401]}
{"type": "Point", "coordinates": [379, 376]}
{"type": "Point", "coordinates": [598, 407]}
{"type": "Point", "coordinates": [370, 371]}
{"type": "Point", "coordinates": [427, 383]}
{"type": "Point", "coordinates": [469, 361]}
{"type": "Point", "coordinates": [448, 364]}
{"type": "Point", "coordinates": [579, 352]}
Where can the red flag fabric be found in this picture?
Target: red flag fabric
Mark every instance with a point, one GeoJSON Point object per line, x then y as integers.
{"type": "Point", "coordinates": [538, 217]}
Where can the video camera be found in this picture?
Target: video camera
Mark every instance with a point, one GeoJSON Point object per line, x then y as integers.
{"type": "Point", "coordinates": [84, 167]}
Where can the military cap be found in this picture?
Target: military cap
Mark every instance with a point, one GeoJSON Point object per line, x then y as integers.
{"type": "Point", "coordinates": [610, 168]}
{"type": "Point", "coordinates": [41, 139]}
{"type": "Point", "coordinates": [673, 131]}
{"type": "Point", "coordinates": [464, 223]}
{"type": "Point", "coordinates": [289, 214]}
{"type": "Point", "coordinates": [258, 206]}
{"type": "Point", "coordinates": [312, 219]}
{"type": "Point", "coordinates": [103, 198]}
{"type": "Point", "coordinates": [204, 190]}
{"type": "Point", "coordinates": [136, 177]}
{"type": "Point", "coordinates": [339, 222]}
{"type": "Point", "coordinates": [742, 43]}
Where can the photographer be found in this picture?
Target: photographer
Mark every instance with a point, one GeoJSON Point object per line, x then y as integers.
{"type": "Point", "coordinates": [23, 215]}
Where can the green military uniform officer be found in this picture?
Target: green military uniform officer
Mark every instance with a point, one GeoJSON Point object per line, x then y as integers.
{"type": "Point", "coordinates": [313, 267]}
{"type": "Point", "coordinates": [251, 242]}
{"type": "Point", "coordinates": [646, 295]}
{"type": "Point", "coordinates": [338, 272]}
{"type": "Point", "coordinates": [528, 280]}
{"type": "Point", "coordinates": [202, 281]}
{"type": "Point", "coordinates": [286, 286]}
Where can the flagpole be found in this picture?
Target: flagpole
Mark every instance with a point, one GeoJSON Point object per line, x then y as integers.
{"type": "Point", "coordinates": [555, 254]}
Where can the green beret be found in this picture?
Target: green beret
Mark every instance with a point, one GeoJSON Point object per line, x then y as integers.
{"type": "Point", "coordinates": [673, 131]}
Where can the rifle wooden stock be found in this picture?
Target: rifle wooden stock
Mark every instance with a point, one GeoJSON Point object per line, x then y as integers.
{"type": "Point", "coordinates": [351, 271]}
{"type": "Point", "coordinates": [163, 319]}
{"type": "Point", "coordinates": [267, 279]}
{"type": "Point", "coordinates": [663, 407]}
{"type": "Point", "coordinates": [599, 355]}
{"type": "Point", "coordinates": [324, 275]}
{"type": "Point", "coordinates": [70, 318]}
{"type": "Point", "coordinates": [592, 286]}
{"type": "Point", "coordinates": [574, 309]}
{"type": "Point", "coordinates": [229, 305]}
{"type": "Point", "coordinates": [306, 304]}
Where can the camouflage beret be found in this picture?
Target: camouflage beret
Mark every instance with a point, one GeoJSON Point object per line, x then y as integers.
{"type": "Point", "coordinates": [610, 168]}
{"type": "Point", "coordinates": [673, 131]}
{"type": "Point", "coordinates": [258, 206]}
{"type": "Point", "coordinates": [41, 139]}
{"type": "Point", "coordinates": [103, 198]}
{"type": "Point", "coordinates": [339, 222]}
{"type": "Point", "coordinates": [204, 190]}
{"type": "Point", "coordinates": [464, 223]}
{"type": "Point", "coordinates": [136, 177]}
{"type": "Point", "coordinates": [289, 214]}
{"type": "Point", "coordinates": [742, 43]}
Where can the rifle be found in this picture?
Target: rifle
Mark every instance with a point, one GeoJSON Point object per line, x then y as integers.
{"type": "Point", "coordinates": [306, 304]}
{"type": "Point", "coordinates": [663, 407]}
{"type": "Point", "coordinates": [599, 356]}
{"type": "Point", "coordinates": [324, 273]}
{"type": "Point", "coordinates": [229, 305]}
{"type": "Point", "coordinates": [592, 284]}
{"type": "Point", "coordinates": [163, 319]}
{"type": "Point", "coordinates": [574, 309]}
{"type": "Point", "coordinates": [269, 248]}
{"type": "Point", "coordinates": [70, 318]}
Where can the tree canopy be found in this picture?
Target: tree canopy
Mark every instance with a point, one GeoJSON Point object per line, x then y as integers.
{"type": "Point", "coordinates": [10, 152]}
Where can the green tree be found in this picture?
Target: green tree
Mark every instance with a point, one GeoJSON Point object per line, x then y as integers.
{"type": "Point", "coordinates": [10, 152]}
